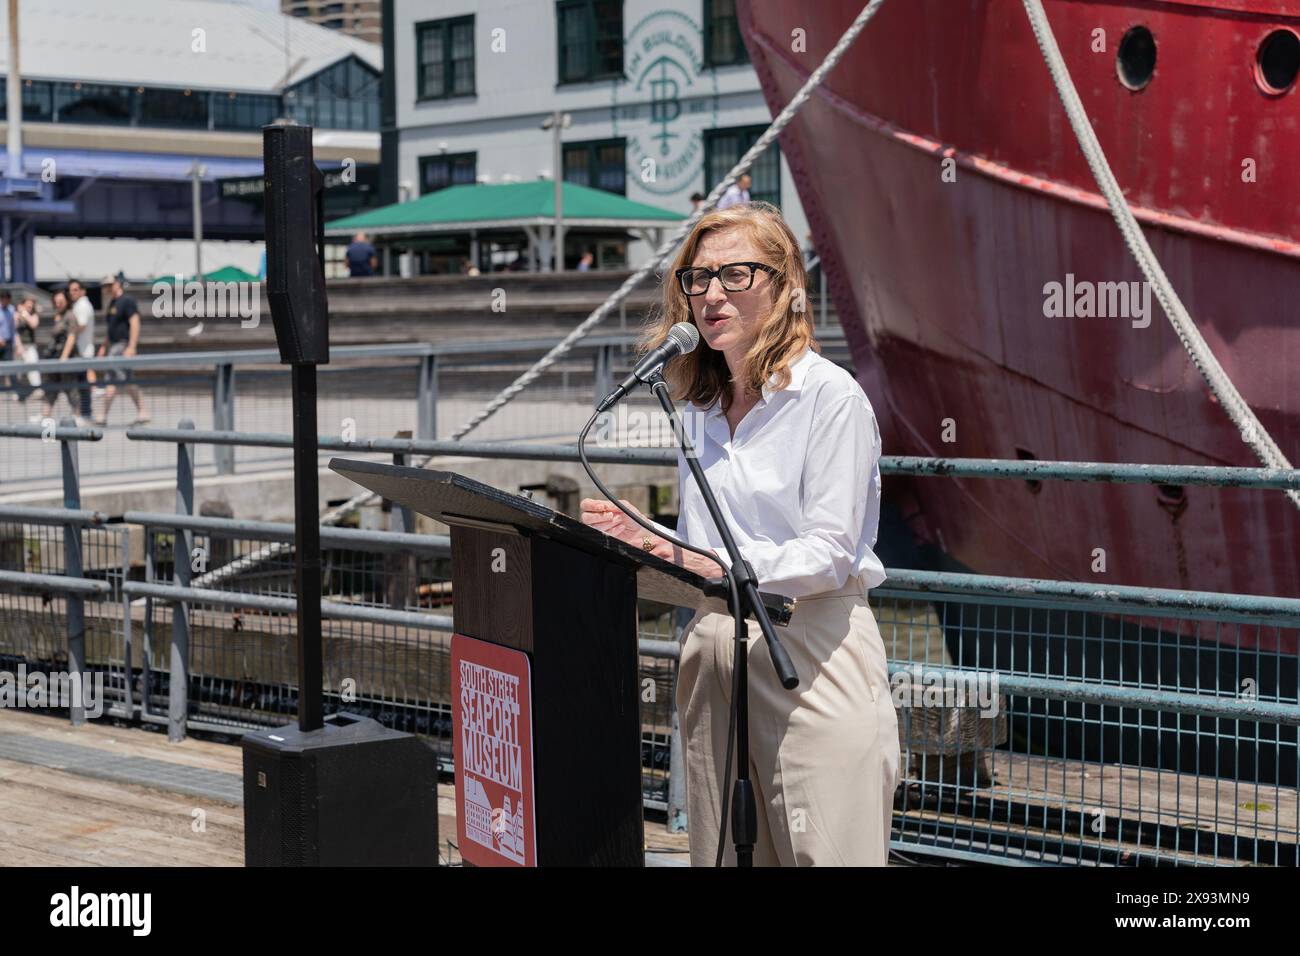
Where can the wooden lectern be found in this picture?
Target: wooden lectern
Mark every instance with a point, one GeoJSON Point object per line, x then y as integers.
{"type": "Point", "coordinates": [544, 669]}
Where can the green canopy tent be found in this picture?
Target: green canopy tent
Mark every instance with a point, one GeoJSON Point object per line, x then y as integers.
{"type": "Point", "coordinates": [224, 274]}
{"type": "Point", "coordinates": [486, 211]}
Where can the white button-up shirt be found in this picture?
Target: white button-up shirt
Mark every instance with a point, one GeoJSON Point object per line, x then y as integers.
{"type": "Point", "coordinates": [799, 483]}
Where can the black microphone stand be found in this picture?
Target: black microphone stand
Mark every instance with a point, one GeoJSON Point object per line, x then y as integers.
{"type": "Point", "coordinates": [744, 822]}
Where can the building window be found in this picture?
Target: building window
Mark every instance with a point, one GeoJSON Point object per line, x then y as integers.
{"type": "Point", "coordinates": [92, 103]}
{"type": "Point", "coordinates": [177, 108]}
{"type": "Point", "coordinates": [590, 35]}
{"type": "Point", "coordinates": [600, 164]}
{"type": "Point", "coordinates": [343, 96]}
{"type": "Point", "coordinates": [38, 102]}
{"type": "Point", "coordinates": [444, 52]}
{"type": "Point", "coordinates": [722, 43]}
{"type": "Point", "coordinates": [452, 169]}
{"type": "Point", "coordinates": [722, 147]}
{"type": "Point", "coordinates": [244, 110]}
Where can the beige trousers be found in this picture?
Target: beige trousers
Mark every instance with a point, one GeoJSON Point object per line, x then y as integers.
{"type": "Point", "coordinates": [823, 757]}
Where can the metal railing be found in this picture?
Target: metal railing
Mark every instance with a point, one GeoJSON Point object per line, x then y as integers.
{"type": "Point", "coordinates": [55, 563]}
{"type": "Point", "coordinates": [1119, 738]}
{"type": "Point", "coordinates": [1132, 725]}
{"type": "Point", "coordinates": [423, 390]}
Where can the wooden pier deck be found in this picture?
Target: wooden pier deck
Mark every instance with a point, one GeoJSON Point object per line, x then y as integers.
{"type": "Point", "coordinates": [106, 795]}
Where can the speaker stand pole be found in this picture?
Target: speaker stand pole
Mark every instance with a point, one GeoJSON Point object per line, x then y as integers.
{"type": "Point", "coordinates": [306, 540]}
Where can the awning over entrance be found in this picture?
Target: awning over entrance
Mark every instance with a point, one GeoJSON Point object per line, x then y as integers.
{"type": "Point", "coordinates": [503, 206]}
{"type": "Point", "coordinates": [506, 213]}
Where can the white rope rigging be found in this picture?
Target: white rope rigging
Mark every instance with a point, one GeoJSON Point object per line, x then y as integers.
{"type": "Point", "coordinates": [1238, 410]}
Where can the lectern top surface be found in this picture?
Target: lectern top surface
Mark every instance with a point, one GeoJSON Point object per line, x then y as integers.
{"type": "Point", "coordinates": [455, 499]}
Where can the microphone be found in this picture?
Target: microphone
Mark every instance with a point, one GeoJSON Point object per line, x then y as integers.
{"type": "Point", "coordinates": [682, 338]}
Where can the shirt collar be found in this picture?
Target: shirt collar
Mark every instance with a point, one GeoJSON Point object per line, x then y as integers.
{"type": "Point", "coordinates": [798, 372]}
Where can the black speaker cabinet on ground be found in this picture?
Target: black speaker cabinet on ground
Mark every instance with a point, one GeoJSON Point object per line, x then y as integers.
{"type": "Point", "coordinates": [353, 793]}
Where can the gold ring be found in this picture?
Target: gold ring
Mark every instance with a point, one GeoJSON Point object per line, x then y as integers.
{"type": "Point", "coordinates": [647, 543]}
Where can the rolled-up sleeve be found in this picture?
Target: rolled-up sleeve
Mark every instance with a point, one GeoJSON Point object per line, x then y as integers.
{"type": "Point", "coordinates": [665, 531]}
{"type": "Point", "coordinates": [843, 451]}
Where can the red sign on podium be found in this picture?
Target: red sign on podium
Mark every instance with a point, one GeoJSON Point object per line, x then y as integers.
{"type": "Point", "coordinates": [492, 717]}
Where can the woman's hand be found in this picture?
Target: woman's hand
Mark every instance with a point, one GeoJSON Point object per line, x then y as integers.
{"type": "Point", "coordinates": [605, 516]}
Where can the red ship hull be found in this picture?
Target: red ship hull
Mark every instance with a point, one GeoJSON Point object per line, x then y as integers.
{"type": "Point", "coordinates": [940, 280]}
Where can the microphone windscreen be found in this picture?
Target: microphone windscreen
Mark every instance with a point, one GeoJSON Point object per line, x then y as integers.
{"type": "Point", "coordinates": [686, 335]}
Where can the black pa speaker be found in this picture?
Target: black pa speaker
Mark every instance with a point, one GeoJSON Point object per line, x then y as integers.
{"type": "Point", "coordinates": [353, 793]}
{"type": "Point", "coordinates": [295, 245]}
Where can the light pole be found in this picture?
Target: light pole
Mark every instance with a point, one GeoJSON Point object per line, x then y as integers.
{"type": "Point", "coordinates": [14, 98]}
{"type": "Point", "coordinates": [197, 172]}
{"type": "Point", "coordinates": [556, 123]}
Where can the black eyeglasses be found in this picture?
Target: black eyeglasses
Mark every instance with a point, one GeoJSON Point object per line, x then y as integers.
{"type": "Point", "coordinates": [734, 276]}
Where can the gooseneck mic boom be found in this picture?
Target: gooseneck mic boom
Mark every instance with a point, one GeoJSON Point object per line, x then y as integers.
{"type": "Point", "coordinates": [682, 338]}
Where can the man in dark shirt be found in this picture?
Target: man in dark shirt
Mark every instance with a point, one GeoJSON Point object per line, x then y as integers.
{"type": "Point", "coordinates": [123, 317]}
{"type": "Point", "coordinates": [362, 258]}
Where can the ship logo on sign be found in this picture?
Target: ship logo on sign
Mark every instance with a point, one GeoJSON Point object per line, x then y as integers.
{"type": "Point", "coordinates": [672, 100]}
{"type": "Point", "coordinates": [494, 828]}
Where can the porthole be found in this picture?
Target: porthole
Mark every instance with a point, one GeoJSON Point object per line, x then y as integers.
{"type": "Point", "coordinates": [1033, 484]}
{"type": "Point", "coordinates": [1172, 494]}
{"type": "Point", "coordinates": [1136, 60]}
{"type": "Point", "coordinates": [1277, 62]}
{"type": "Point", "coordinates": [1172, 499]}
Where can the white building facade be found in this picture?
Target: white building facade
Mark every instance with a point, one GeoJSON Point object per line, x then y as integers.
{"type": "Point", "coordinates": [661, 97]}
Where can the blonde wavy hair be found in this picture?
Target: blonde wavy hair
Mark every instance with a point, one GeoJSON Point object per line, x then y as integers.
{"type": "Point", "coordinates": [784, 332]}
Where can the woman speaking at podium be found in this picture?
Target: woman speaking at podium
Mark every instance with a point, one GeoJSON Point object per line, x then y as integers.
{"type": "Point", "coordinates": [791, 447]}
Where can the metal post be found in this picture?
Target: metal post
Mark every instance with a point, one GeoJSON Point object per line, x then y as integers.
{"type": "Point", "coordinates": [601, 368]}
{"type": "Point", "coordinates": [146, 653]}
{"type": "Point", "coordinates": [306, 542]}
{"type": "Point", "coordinates": [821, 295]}
{"type": "Point", "coordinates": [557, 128]}
{"type": "Point", "coordinates": [426, 399]}
{"type": "Point", "coordinates": [127, 655]}
{"type": "Point", "coordinates": [75, 603]}
{"type": "Point", "coordinates": [405, 516]}
{"type": "Point", "coordinates": [197, 171]}
{"type": "Point", "coordinates": [402, 568]}
{"type": "Point", "coordinates": [14, 98]}
{"type": "Point", "coordinates": [182, 548]}
{"type": "Point", "coordinates": [223, 416]}
{"type": "Point", "coordinates": [677, 820]}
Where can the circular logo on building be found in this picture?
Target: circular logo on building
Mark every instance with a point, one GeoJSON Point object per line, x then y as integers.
{"type": "Point", "coordinates": [668, 102]}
